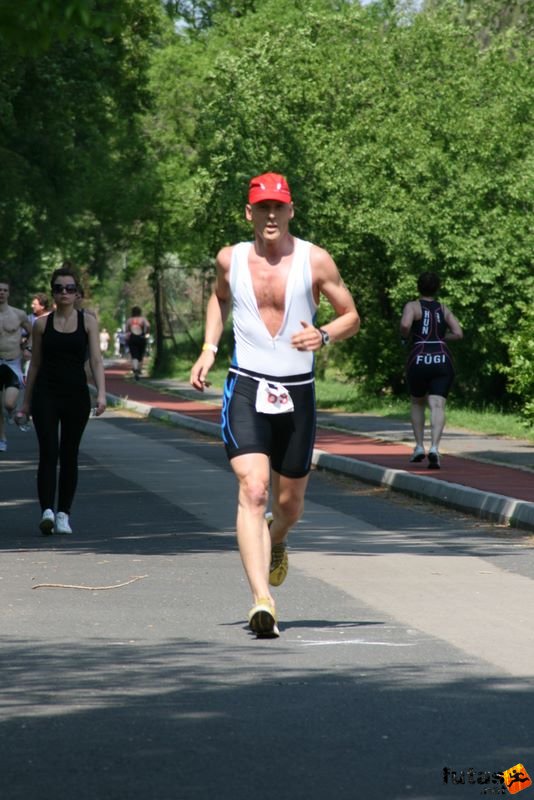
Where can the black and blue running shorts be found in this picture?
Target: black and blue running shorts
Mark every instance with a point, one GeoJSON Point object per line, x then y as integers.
{"type": "Point", "coordinates": [287, 439]}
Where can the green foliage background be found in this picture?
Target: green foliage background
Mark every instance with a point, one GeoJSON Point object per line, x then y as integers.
{"type": "Point", "coordinates": [406, 134]}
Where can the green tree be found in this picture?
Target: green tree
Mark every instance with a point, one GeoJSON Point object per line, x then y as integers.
{"type": "Point", "coordinates": [166, 232]}
{"type": "Point", "coordinates": [521, 368]}
{"type": "Point", "coordinates": [71, 150]}
{"type": "Point", "coordinates": [199, 15]}
{"type": "Point", "coordinates": [408, 146]}
{"type": "Point", "coordinates": [35, 25]}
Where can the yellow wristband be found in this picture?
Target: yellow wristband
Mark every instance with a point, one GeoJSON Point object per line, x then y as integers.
{"type": "Point", "coordinates": [208, 346]}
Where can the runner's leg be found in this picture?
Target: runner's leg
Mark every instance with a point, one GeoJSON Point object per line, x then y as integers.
{"type": "Point", "coordinates": [437, 418]}
{"type": "Point", "coordinates": [287, 504]}
{"type": "Point", "coordinates": [11, 394]}
{"type": "Point", "coordinates": [418, 419]}
{"type": "Point", "coordinates": [252, 472]}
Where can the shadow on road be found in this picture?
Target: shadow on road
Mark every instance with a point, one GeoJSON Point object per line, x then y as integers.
{"type": "Point", "coordinates": [110, 720]}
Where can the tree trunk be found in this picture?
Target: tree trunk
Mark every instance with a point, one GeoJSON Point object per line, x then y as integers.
{"type": "Point", "coordinates": [158, 317]}
{"type": "Point", "coordinates": [158, 304]}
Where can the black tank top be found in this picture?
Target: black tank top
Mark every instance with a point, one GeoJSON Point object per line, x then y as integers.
{"type": "Point", "coordinates": [63, 356]}
{"type": "Point", "coordinates": [431, 328]}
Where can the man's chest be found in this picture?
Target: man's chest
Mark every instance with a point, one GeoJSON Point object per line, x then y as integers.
{"type": "Point", "coordinates": [9, 323]}
{"type": "Point", "coordinates": [269, 284]}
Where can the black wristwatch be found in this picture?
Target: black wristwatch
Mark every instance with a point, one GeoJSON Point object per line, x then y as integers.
{"type": "Point", "coordinates": [325, 336]}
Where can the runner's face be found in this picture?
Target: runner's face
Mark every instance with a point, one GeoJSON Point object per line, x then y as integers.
{"type": "Point", "coordinates": [270, 218]}
{"type": "Point", "coordinates": [64, 299]}
{"type": "Point", "coordinates": [37, 308]}
{"type": "Point", "coordinates": [4, 292]}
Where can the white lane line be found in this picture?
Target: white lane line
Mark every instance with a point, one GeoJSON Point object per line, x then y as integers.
{"type": "Point", "coordinates": [472, 611]}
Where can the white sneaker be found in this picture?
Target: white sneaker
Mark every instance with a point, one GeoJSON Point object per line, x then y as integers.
{"type": "Point", "coordinates": [62, 523]}
{"type": "Point", "coordinates": [47, 521]}
{"type": "Point", "coordinates": [22, 422]}
{"type": "Point", "coordinates": [418, 454]}
{"type": "Point", "coordinates": [3, 445]}
{"type": "Point", "coordinates": [433, 459]}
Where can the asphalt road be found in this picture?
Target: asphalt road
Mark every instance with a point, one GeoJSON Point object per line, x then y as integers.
{"type": "Point", "coordinates": [406, 644]}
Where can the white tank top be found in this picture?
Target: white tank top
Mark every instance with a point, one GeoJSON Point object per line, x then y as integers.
{"type": "Point", "coordinates": [255, 348]}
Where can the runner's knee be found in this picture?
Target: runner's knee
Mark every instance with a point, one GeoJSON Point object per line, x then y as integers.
{"type": "Point", "coordinates": [10, 403]}
{"type": "Point", "coordinates": [254, 492]}
{"type": "Point", "coordinates": [435, 401]}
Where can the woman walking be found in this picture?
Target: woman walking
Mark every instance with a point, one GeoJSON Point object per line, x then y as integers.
{"type": "Point", "coordinates": [57, 396]}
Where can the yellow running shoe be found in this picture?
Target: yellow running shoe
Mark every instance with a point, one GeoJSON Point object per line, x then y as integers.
{"type": "Point", "coordinates": [279, 560]}
{"type": "Point", "coordinates": [262, 619]}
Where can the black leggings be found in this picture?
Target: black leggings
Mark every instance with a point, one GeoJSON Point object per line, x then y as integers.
{"type": "Point", "coordinates": [49, 412]}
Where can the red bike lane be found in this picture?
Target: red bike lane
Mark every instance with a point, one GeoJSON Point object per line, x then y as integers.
{"type": "Point", "coordinates": [511, 482]}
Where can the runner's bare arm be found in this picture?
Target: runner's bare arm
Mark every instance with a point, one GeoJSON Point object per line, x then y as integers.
{"type": "Point", "coordinates": [328, 282]}
{"type": "Point", "coordinates": [408, 316]}
{"type": "Point", "coordinates": [97, 365]}
{"type": "Point", "coordinates": [217, 312]}
{"type": "Point", "coordinates": [35, 363]}
{"type": "Point", "coordinates": [455, 331]}
{"type": "Point", "coordinates": [26, 324]}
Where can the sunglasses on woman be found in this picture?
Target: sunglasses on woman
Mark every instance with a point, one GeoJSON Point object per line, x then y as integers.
{"type": "Point", "coordinates": [59, 288]}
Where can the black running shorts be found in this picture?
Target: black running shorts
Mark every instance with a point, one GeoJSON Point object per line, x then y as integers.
{"type": "Point", "coordinates": [8, 379]}
{"type": "Point", "coordinates": [287, 439]}
{"type": "Point", "coordinates": [137, 346]}
{"type": "Point", "coordinates": [429, 373]}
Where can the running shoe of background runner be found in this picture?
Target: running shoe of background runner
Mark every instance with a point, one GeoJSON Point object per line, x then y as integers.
{"type": "Point", "coordinates": [418, 454]}
{"type": "Point", "coordinates": [433, 459]}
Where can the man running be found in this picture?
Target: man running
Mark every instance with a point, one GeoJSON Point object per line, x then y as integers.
{"type": "Point", "coordinates": [273, 286]}
{"type": "Point", "coordinates": [13, 322]}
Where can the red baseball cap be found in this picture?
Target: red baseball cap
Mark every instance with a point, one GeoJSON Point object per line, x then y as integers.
{"type": "Point", "coordinates": [269, 186]}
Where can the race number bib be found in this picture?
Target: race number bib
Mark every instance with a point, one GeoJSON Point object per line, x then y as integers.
{"type": "Point", "coordinates": [273, 398]}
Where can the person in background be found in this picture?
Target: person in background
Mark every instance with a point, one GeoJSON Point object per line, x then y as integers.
{"type": "Point", "coordinates": [57, 396]}
{"type": "Point", "coordinates": [429, 325]}
{"type": "Point", "coordinates": [123, 343]}
{"type": "Point", "coordinates": [104, 341]}
{"type": "Point", "coordinates": [273, 286]}
{"type": "Point", "coordinates": [13, 321]}
{"type": "Point", "coordinates": [137, 329]}
{"type": "Point", "coordinates": [39, 306]}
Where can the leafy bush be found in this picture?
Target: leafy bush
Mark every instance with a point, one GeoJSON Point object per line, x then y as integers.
{"type": "Point", "coordinates": [521, 370]}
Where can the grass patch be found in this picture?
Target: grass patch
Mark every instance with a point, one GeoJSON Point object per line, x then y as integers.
{"type": "Point", "coordinates": [340, 396]}
{"type": "Point", "coordinates": [491, 421]}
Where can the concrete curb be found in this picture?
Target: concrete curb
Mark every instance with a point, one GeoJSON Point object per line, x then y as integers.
{"type": "Point", "coordinates": [486, 505]}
